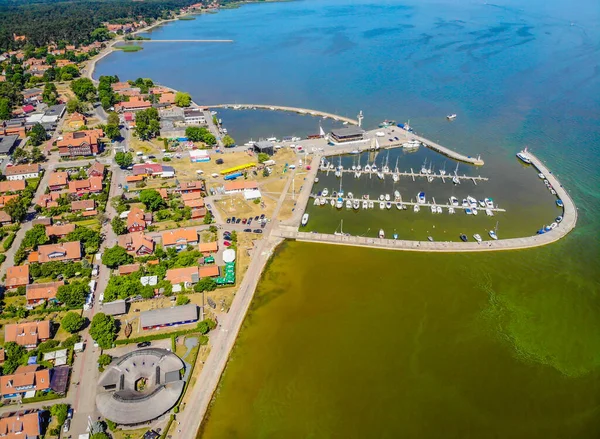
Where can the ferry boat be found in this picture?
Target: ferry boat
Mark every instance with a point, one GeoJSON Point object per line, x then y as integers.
{"type": "Point", "coordinates": [463, 237]}
{"type": "Point", "coordinates": [454, 201]}
{"type": "Point", "coordinates": [305, 219]}
{"type": "Point", "coordinates": [524, 157]}
{"type": "Point", "coordinates": [381, 233]}
{"type": "Point", "coordinates": [421, 198]}
{"type": "Point", "coordinates": [477, 237]}
{"type": "Point", "coordinates": [416, 208]}
{"type": "Point", "coordinates": [451, 116]}
{"type": "Point", "coordinates": [559, 203]}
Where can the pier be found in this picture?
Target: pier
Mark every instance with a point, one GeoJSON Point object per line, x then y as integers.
{"type": "Point", "coordinates": [180, 41]}
{"type": "Point", "coordinates": [407, 203]}
{"type": "Point", "coordinates": [411, 174]}
{"type": "Point", "coordinates": [303, 111]}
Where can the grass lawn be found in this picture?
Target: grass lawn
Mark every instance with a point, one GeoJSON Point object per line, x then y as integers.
{"type": "Point", "coordinates": [128, 48]}
{"type": "Point", "coordinates": [33, 182]}
{"type": "Point", "coordinates": [92, 223]}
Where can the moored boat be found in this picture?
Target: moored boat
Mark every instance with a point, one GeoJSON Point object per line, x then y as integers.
{"type": "Point", "coordinates": [559, 203]}
{"type": "Point", "coordinates": [493, 235]}
{"type": "Point", "coordinates": [524, 157]}
{"type": "Point", "coordinates": [416, 208]}
{"type": "Point", "coordinates": [477, 237]}
{"type": "Point", "coordinates": [305, 219]}
{"type": "Point", "coordinates": [463, 237]}
{"type": "Point", "coordinates": [381, 233]}
{"type": "Point", "coordinates": [453, 201]}
{"type": "Point", "coordinates": [421, 198]}
{"type": "Point", "coordinates": [488, 212]}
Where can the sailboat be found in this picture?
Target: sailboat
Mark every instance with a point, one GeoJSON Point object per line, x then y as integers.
{"type": "Point", "coordinates": [455, 179]}
{"type": "Point", "coordinates": [424, 167]}
{"type": "Point", "coordinates": [321, 132]}
{"type": "Point", "coordinates": [443, 170]}
{"type": "Point", "coordinates": [396, 174]}
{"type": "Point", "coordinates": [493, 233]}
{"type": "Point", "coordinates": [341, 232]}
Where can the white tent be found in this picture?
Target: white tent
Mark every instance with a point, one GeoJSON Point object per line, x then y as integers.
{"type": "Point", "coordinates": [229, 255]}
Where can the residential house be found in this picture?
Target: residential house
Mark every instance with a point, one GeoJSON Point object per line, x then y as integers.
{"type": "Point", "coordinates": [5, 218]}
{"type": "Point", "coordinates": [136, 243]}
{"type": "Point", "coordinates": [167, 98]}
{"type": "Point", "coordinates": [12, 186]}
{"type": "Point", "coordinates": [194, 116]}
{"type": "Point", "coordinates": [208, 271]}
{"type": "Point", "coordinates": [119, 87]}
{"type": "Point", "coordinates": [32, 95]}
{"type": "Point", "coordinates": [193, 199]}
{"type": "Point", "coordinates": [40, 293]}
{"type": "Point", "coordinates": [190, 186]}
{"type": "Point", "coordinates": [206, 248]}
{"type": "Point", "coordinates": [17, 276]}
{"type": "Point", "coordinates": [80, 143]}
{"type": "Point", "coordinates": [42, 220]}
{"type": "Point", "coordinates": [163, 193]}
{"type": "Point", "coordinates": [76, 121]}
{"type": "Point", "coordinates": [96, 170]}
{"type": "Point", "coordinates": [25, 426]}
{"type": "Point", "coordinates": [63, 63]}
{"type": "Point", "coordinates": [22, 172]}
{"type": "Point", "coordinates": [14, 127]}
{"type": "Point", "coordinates": [188, 276]}
{"type": "Point", "coordinates": [60, 231]}
{"type": "Point", "coordinates": [64, 251]}
{"type": "Point", "coordinates": [58, 180]}
{"type": "Point", "coordinates": [163, 317]}
{"type": "Point", "coordinates": [4, 199]}
{"type": "Point", "coordinates": [27, 334]}
{"type": "Point", "coordinates": [179, 238]}
{"type": "Point", "coordinates": [7, 143]}
{"type": "Point", "coordinates": [48, 201]}
{"type": "Point", "coordinates": [25, 382]}
{"type": "Point", "coordinates": [89, 185]}
{"type": "Point", "coordinates": [128, 269]}
{"type": "Point", "coordinates": [136, 103]}
{"type": "Point", "coordinates": [198, 213]}
{"type": "Point", "coordinates": [137, 220]}
{"type": "Point", "coordinates": [86, 205]}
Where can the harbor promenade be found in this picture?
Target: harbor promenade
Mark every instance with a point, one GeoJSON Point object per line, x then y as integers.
{"type": "Point", "coordinates": [303, 111]}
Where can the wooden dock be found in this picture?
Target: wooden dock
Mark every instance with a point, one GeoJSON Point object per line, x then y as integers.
{"type": "Point", "coordinates": [302, 111]}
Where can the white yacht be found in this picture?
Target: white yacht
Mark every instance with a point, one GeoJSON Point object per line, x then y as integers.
{"type": "Point", "coordinates": [421, 198]}
{"type": "Point", "coordinates": [451, 116]}
{"type": "Point", "coordinates": [488, 212]}
{"type": "Point", "coordinates": [453, 201]}
{"type": "Point", "coordinates": [317, 201]}
{"type": "Point", "coordinates": [381, 197]}
{"type": "Point", "coordinates": [489, 203]}
{"type": "Point", "coordinates": [396, 195]}
{"type": "Point", "coordinates": [371, 204]}
{"type": "Point", "coordinates": [477, 237]}
{"type": "Point", "coordinates": [323, 201]}
{"type": "Point", "coordinates": [474, 211]}
{"type": "Point", "coordinates": [356, 205]}
{"type": "Point", "coordinates": [465, 203]}
{"type": "Point", "coordinates": [493, 235]}
{"type": "Point", "coordinates": [398, 205]}
{"type": "Point", "coordinates": [381, 205]}
{"type": "Point", "coordinates": [339, 203]}
{"type": "Point", "coordinates": [438, 209]}
{"type": "Point", "coordinates": [305, 219]}
{"type": "Point", "coordinates": [455, 180]}
{"type": "Point", "coordinates": [365, 204]}
{"type": "Point", "coordinates": [325, 192]}
{"type": "Point", "coordinates": [451, 210]}
{"type": "Point", "coordinates": [433, 209]}
{"type": "Point", "coordinates": [388, 205]}
{"type": "Point", "coordinates": [350, 195]}
{"type": "Point", "coordinates": [416, 208]}
{"type": "Point", "coordinates": [381, 233]}
{"type": "Point", "coordinates": [387, 197]}
{"type": "Point", "coordinates": [348, 204]}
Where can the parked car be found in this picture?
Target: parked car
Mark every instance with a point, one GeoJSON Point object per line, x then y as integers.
{"type": "Point", "coordinates": [263, 225]}
{"type": "Point", "coordinates": [226, 243]}
{"type": "Point", "coordinates": [238, 221]}
{"type": "Point", "coordinates": [250, 221]}
{"type": "Point", "coordinates": [70, 413]}
{"type": "Point", "coordinates": [67, 426]}
{"type": "Point", "coordinates": [256, 218]}
{"type": "Point", "coordinates": [262, 215]}
{"type": "Point", "coordinates": [228, 220]}
{"type": "Point", "coordinates": [257, 231]}
{"type": "Point", "coordinates": [143, 344]}
{"type": "Point", "coordinates": [247, 230]}
{"type": "Point", "coordinates": [244, 221]}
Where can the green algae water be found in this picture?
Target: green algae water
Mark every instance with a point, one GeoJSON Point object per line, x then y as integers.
{"type": "Point", "coordinates": [353, 343]}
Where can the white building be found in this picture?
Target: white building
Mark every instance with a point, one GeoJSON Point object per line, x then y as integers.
{"type": "Point", "coordinates": [199, 155]}
{"type": "Point", "coordinates": [22, 172]}
{"type": "Point", "coordinates": [193, 116]}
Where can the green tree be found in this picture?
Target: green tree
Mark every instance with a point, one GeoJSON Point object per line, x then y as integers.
{"type": "Point", "coordinates": [75, 105]}
{"type": "Point", "coordinates": [182, 299]}
{"type": "Point", "coordinates": [13, 354]}
{"type": "Point", "coordinates": [5, 109]}
{"type": "Point", "coordinates": [72, 322]}
{"type": "Point", "coordinates": [262, 157]}
{"type": "Point", "coordinates": [38, 134]}
{"type": "Point", "coordinates": [146, 123]}
{"type": "Point", "coordinates": [228, 141]}
{"type": "Point", "coordinates": [73, 294]}
{"type": "Point", "coordinates": [15, 209]}
{"type": "Point", "coordinates": [84, 89]}
{"type": "Point", "coordinates": [208, 218]}
{"type": "Point", "coordinates": [205, 284]}
{"type": "Point", "coordinates": [182, 99]}
{"type": "Point", "coordinates": [103, 330]}
{"type": "Point", "coordinates": [50, 94]}
{"type": "Point", "coordinates": [34, 237]}
{"type": "Point", "coordinates": [100, 435]}
{"type": "Point", "coordinates": [36, 155]}
{"type": "Point", "coordinates": [113, 118]}
{"type": "Point", "coordinates": [104, 360]}
{"type": "Point", "coordinates": [60, 412]}
{"type": "Point", "coordinates": [112, 131]}
{"type": "Point", "coordinates": [151, 199]}
{"type": "Point", "coordinates": [118, 226]}
{"type": "Point", "coordinates": [115, 256]}
{"type": "Point", "coordinates": [124, 159]}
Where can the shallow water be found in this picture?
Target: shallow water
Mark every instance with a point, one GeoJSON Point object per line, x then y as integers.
{"type": "Point", "coordinates": [349, 342]}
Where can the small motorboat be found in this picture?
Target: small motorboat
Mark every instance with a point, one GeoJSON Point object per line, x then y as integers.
{"type": "Point", "coordinates": [388, 205]}
{"type": "Point", "coordinates": [323, 201]}
{"type": "Point", "coordinates": [387, 197]}
{"type": "Point", "coordinates": [489, 203]}
{"type": "Point", "coordinates": [356, 205]}
{"type": "Point", "coordinates": [395, 235]}
{"type": "Point", "coordinates": [365, 204]}
{"type": "Point", "coordinates": [381, 197]}
{"type": "Point", "coordinates": [316, 179]}
{"type": "Point", "coordinates": [553, 225]}
{"type": "Point", "coordinates": [524, 157]}
{"type": "Point", "coordinates": [398, 205]}
{"type": "Point", "coordinates": [416, 208]}
{"type": "Point", "coordinates": [477, 237]}
{"type": "Point", "coordinates": [474, 211]}
{"type": "Point", "coordinates": [317, 201]}
{"type": "Point", "coordinates": [348, 204]}
{"type": "Point", "coordinates": [481, 203]}
{"type": "Point", "coordinates": [430, 238]}
{"type": "Point", "coordinates": [488, 212]}
{"type": "Point", "coordinates": [371, 204]}
{"type": "Point", "coordinates": [455, 180]}
{"type": "Point", "coordinates": [542, 176]}
{"type": "Point", "coordinates": [305, 219]}
{"type": "Point", "coordinates": [421, 198]}
{"type": "Point", "coordinates": [382, 205]}
{"type": "Point", "coordinates": [350, 195]}
{"type": "Point", "coordinates": [559, 203]}
{"type": "Point", "coordinates": [451, 210]}
{"type": "Point", "coordinates": [396, 195]}
{"type": "Point", "coordinates": [463, 237]}
{"type": "Point", "coordinates": [332, 202]}
{"type": "Point", "coordinates": [325, 192]}
{"type": "Point", "coordinates": [559, 219]}
{"type": "Point", "coordinates": [454, 201]}
{"type": "Point", "coordinates": [493, 235]}
{"type": "Point", "coordinates": [468, 211]}
{"type": "Point", "coordinates": [433, 209]}
{"type": "Point", "coordinates": [438, 209]}
{"type": "Point", "coordinates": [451, 117]}
{"type": "Point", "coordinates": [381, 234]}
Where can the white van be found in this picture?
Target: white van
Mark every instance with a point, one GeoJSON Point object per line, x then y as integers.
{"type": "Point", "coordinates": [139, 153]}
{"type": "Point", "coordinates": [92, 286]}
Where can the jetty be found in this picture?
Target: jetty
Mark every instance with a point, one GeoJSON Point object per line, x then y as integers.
{"type": "Point", "coordinates": [299, 110]}
{"type": "Point", "coordinates": [180, 41]}
{"type": "Point", "coordinates": [409, 203]}
{"type": "Point", "coordinates": [413, 175]}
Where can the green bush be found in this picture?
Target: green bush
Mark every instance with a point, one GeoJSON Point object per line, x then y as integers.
{"type": "Point", "coordinates": [8, 241]}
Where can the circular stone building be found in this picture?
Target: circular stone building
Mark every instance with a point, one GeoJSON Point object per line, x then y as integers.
{"type": "Point", "coordinates": [140, 386]}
